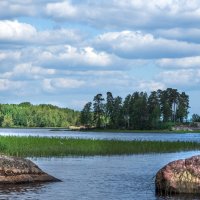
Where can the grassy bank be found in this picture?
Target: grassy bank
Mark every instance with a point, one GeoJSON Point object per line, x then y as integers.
{"type": "Point", "coordinates": [46, 147]}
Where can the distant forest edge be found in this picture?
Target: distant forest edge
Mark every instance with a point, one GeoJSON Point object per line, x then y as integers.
{"type": "Point", "coordinates": [138, 111]}
{"type": "Point", "coordinates": [161, 109]}
{"type": "Point", "coordinates": [44, 115]}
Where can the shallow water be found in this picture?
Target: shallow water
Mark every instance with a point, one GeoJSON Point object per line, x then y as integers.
{"type": "Point", "coordinates": [115, 178]}
{"type": "Point", "coordinates": [102, 135]}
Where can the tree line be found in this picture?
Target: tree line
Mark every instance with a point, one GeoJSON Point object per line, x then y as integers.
{"type": "Point", "coordinates": [137, 111]}
{"type": "Point", "coordinates": [44, 115]}
{"type": "Point", "coordinates": [195, 118]}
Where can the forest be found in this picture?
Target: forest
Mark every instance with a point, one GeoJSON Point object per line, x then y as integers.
{"type": "Point", "coordinates": [44, 115]}
{"type": "Point", "coordinates": [138, 111]}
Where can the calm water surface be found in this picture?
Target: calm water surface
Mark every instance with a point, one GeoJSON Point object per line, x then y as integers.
{"type": "Point", "coordinates": [99, 177]}
{"type": "Point", "coordinates": [89, 178]}
{"type": "Point", "coordinates": [103, 135]}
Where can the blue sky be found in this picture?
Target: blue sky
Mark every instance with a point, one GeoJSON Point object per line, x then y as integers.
{"type": "Point", "coordinates": [65, 52]}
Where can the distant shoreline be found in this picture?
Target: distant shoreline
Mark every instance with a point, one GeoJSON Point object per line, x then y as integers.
{"type": "Point", "coordinates": [137, 131]}
{"type": "Point", "coordinates": [105, 130]}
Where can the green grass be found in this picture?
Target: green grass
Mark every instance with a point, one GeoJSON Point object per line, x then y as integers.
{"type": "Point", "coordinates": [48, 147]}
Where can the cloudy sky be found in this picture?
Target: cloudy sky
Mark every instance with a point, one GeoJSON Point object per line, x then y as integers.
{"type": "Point", "coordinates": [65, 52]}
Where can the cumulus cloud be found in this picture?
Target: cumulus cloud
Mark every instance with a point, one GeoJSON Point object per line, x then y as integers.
{"type": "Point", "coordinates": [8, 85]}
{"type": "Point", "coordinates": [68, 57]}
{"type": "Point", "coordinates": [15, 31]}
{"type": "Point", "coordinates": [54, 84]}
{"type": "Point", "coordinates": [84, 47]}
{"type": "Point", "coordinates": [110, 14]}
{"type": "Point", "coordinates": [150, 85]}
{"type": "Point", "coordinates": [11, 8]}
{"type": "Point", "coordinates": [187, 62]}
{"type": "Point", "coordinates": [135, 45]}
{"type": "Point", "coordinates": [7, 55]}
{"type": "Point", "coordinates": [27, 70]}
{"type": "Point", "coordinates": [185, 78]}
{"type": "Point", "coordinates": [61, 10]}
{"type": "Point", "coordinates": [141, 14]}
{"type": "Point", "coordinates": [181, 34]}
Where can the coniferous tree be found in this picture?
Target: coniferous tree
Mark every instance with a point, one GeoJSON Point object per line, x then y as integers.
{"type": "Point", "coordinates": [154, 110]}
{"type": "Point", "coordinates": [86, 115]}
{"type": "Point", "coordinates": [126, 111]}
{"type": "Point", "coordinates": [109, 109]}
{"type": "Point", "coordinates": [98, 109]}
{"type": "Point", "coordinates": [195, 118]}
{"type": "Point", "coordinates": [183, 106]}
{"type": "Point", "coordinates": [117, 113]}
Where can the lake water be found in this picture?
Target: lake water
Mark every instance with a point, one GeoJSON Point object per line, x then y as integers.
{"type": "Point", "coordinates": [89, 178]}
{"type": "Point", "coordinates": [99, 177]}
{"type": "Point", "coordinates": [102, 135]}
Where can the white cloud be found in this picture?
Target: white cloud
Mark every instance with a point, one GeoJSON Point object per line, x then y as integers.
{"type": "Point", "coordinates": [131, 44]}
{"type": "Point", "coordinates": [7, 85]}
{"type": "Point", "coordinates": [50, 46]}
{"type": "Point", "coordinates": [13, 8]}
{"type": "Point", "coordinates": [141, 13]}
{"type": "Point", "coordinates": [52, 85]}
{"type": "Point", "coordinates": [69, 56]}
{"type": "Point", "coordinates": [61, 10]}
{"type": "Point", "coordinates": [150, 85]}
{"type": "Point", "coordinates": [181, 78]}
{"type": "Point", "coordinates": [187, 62]}
{"type": "Point", "coordinates": [14, 30]}
{"type": "Point", "coordinates": [58, 36]}
{"type": "Point", "coordinates": [27, 70]}
{"type": "Point", "coordinates": [134, 14]}
{"type": "Point", "coordinates": [10, 55]}
{"type": "Point", "coordinates": [183, 34]}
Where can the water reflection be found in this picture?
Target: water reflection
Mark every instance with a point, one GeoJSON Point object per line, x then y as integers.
{"type": "Point", "coordinates": [21, 188]}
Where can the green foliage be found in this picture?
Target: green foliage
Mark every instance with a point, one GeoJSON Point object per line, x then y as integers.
{"type": "Point", "coordinates": [98, 108]}
{"type": "Point", "coordinates": [162, 109]}
{"type": "Point", "coordinates": [195, 118]}
{"type": "Point", "coordinates": [86, 115]}
{"type": "Point", "coordinates": [7, 121]}
{"type": "Point", "coordinates": [28, 115]}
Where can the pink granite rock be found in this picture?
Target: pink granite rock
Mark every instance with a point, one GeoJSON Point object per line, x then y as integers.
{"type": "Point", "coordinates": [15, 170]}
{"type": "Point", "coordinates": [180, 176]}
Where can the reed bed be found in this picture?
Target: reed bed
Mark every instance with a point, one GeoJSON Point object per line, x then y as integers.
{"type": "Point", "coordinates": [58, 147]}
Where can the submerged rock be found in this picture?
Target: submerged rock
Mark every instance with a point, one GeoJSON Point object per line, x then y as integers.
{"type": "Point", "coordinates": [19, 170]}
{"type": "Point", "coordinates": [180, 176]}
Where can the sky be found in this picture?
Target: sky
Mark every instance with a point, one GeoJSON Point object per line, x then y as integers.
{"type": "Point", "coordinates": [65, 52]}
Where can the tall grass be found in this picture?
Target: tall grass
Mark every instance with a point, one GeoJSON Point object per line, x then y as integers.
{"type": "Point", "coordinates": [46, 147]}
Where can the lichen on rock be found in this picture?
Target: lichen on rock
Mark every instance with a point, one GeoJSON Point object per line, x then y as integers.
{"type": "Point", "coordinates": [180, 176]}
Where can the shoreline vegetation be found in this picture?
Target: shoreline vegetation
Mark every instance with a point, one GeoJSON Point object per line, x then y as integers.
{"type": "Point", "coordinates": [83, 129]}
{"type": "Point", "coordinates": [173, 130]}
{"type": "Point", "coordinates": [161, 111]}
{"type": "Point", "coordinates": [60, 147]}
{"type": "Point", "coordinates": [158, 110]}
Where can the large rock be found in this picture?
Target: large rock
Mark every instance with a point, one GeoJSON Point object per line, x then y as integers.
{"type": "Point", "coordinates": [19, 170]}
{"type": "Point", "coordinates": [181, 176]}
